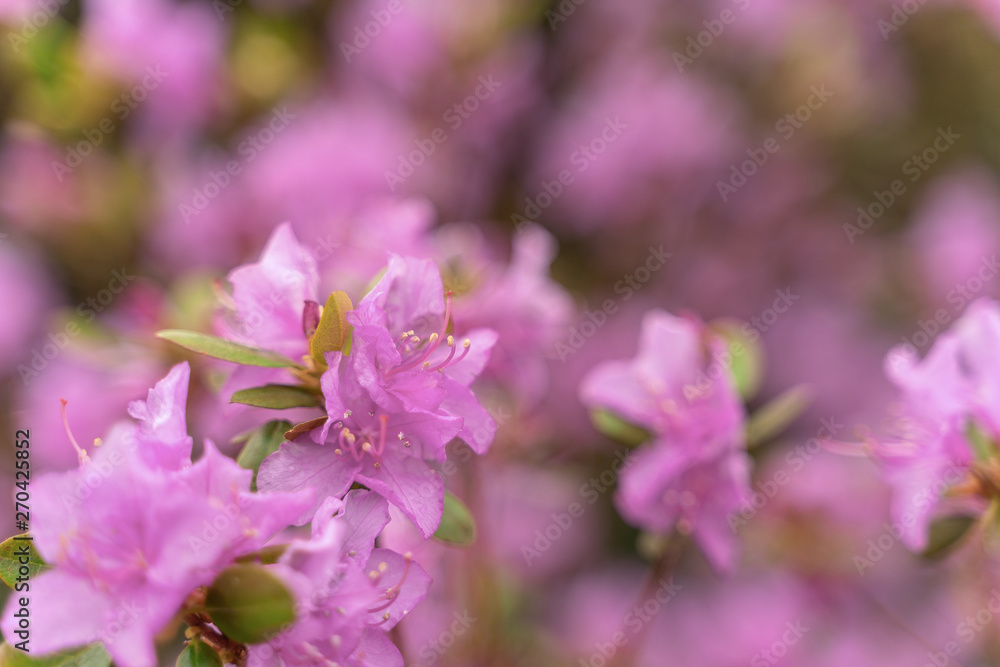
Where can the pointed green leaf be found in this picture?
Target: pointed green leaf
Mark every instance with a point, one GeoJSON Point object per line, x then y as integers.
{"type": "Point", "coordinates": [17, 553]}
{"type": "Point", "coordinates": [199, 654]}
{"type": "Point", "coordinates": [333, 329]}
{"type": "Point", "coordinates": [458, 527]}
{"type": "Point", "coordinates": [276, 397]}
{"type": "Point", "coordinates": [982, 445]}
{"type": "Point", "coordinates": [945, 533]}
{"type": "Point", "coordinates": [262, 443]}
{"type": "Point", "coordinates": [249, 603]}
{"type": "Point", "coordinates": [89, 656]}
{"type": "Point", "coordinates": [618, 429]}
{"type": "Point", "coordinates": [742, 355]}
{"type": "Point", "coordinates": [775, 417]}
{"type": "Point", "coordinates": [227, 350]}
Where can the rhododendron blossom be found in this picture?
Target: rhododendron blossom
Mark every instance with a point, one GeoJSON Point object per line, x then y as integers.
{"type": "Point", "coordinates": [349, 594]}
{"type": "Point", "coordinates": [395, 402]}
{"type": "Point", "coordinates": [695, 472]}
{"type": "Point", "coordinates": [941, 456]}
{"type": "Point", "coordinates": [130, 539]}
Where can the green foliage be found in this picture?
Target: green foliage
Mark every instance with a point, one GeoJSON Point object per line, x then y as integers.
{"type": "Point", "coordinates": [458, 526]}
{"type": "Point", "coordinates": [216, 347]}
{"type": "Point", "coordinates": [249, 603]}
{"type": "Point", "coordinates": [11, 555]}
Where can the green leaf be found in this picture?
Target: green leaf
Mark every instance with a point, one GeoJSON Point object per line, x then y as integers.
{"type": "Point", "coordinates": [226, 350]}
{"type": "Point", "coordinates": [458, 527]}
{"type": "Point", "coordinates": [333, 329]}
{"type": "Point", "coordinates": [89, 656]}
{"type": "Point", "coordinates": [945, 534]}
{"type": "Point", "coordinates": [982, 445]}
{"type": "Point", "coordinates": [775, 417]}
{"type": "Point", "coordinates": [199, 654]}
{"type": "Point", "coordinates": [11, 553]}
{"type": "Point", "coordinates": [262, 443]}
{"type": "Point", "coordinates": [277, 397]}
{"type": "Point", "coordinates": [743, 355]}
{"type": "Point", "coordinates": [268, 555]}
{"type": "Point", "coordinates": [618, 429]}
{"type": "Point", "coordinates": [249, 604]}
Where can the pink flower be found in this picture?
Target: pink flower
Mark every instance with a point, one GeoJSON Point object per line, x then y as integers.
{"type": "Point", "coordinates": [953, 389]}
{"type": "Point", "coordinates": [666, 388]}
{"type": "Point", "coordinates": [528, 310]}
{"type": "Point", "coordinates": [130, 533]}
{"type": "Point", "coordinates": [395, 402]}
{"type": "Point", "coordinates": [695, 473]}
{"type": "Point", "coordinates": [349, 594]}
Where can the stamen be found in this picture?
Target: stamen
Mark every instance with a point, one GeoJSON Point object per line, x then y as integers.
{"type": "Point", "coordinates": [432, 342]}
{"type": "Point", "coordinates": [80, 452]}
{"type": "Point", "coordinates": [431, 346]}
{"type": "Point", "coordinates": [451, 355]}
{"type": "Point", "coordinates": [467, 345]}
{"type": "Point", "coordinates": [384, 421]}
{"type": "Point", "coordinates": [385, 618]}
{"type": "Point", "coordinates": [392, 592]}
{"type": "Point", "coordinates": [347, 440]}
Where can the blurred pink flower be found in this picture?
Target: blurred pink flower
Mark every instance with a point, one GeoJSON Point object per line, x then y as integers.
{"type": "Point", "coordinates": [171, 53]}
{"type": "Point", "coordinates": [127, 537]}
{"type": "Point", "coordinates": [695, 473]}
{"type": "Point", "coordinates": [518, 300]}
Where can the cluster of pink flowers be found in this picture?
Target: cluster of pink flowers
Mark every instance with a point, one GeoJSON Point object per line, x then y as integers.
{"type": "Point", "coordinates": [503, 332]}
{"type": "Point", "coordinates": [695, 472]}
{"type": "Point", "coordinates": [138, 526]}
